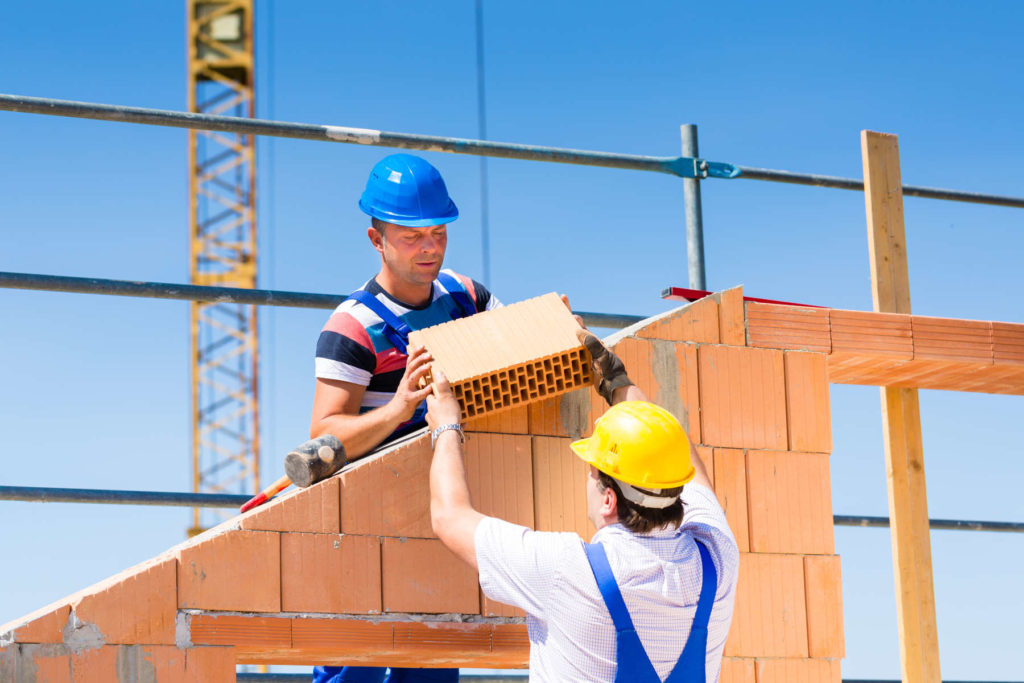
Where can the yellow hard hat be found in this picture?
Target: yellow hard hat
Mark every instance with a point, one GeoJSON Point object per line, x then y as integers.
{"type": "Point", "coordinates": [641, 444]}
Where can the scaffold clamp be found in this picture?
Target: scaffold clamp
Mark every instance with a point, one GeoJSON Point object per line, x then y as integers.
{"type": "Point", "coordinates": [695, 167]}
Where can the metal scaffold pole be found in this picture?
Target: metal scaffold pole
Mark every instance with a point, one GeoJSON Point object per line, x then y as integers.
{"type": "Point", "coordinates": [694, 217]}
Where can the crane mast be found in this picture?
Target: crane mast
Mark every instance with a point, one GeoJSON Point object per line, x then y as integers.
{"type": "Point", "coordinates": [222, 252]}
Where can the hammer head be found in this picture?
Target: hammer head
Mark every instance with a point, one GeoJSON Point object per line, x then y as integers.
{"type": "Point", "coordinates": [314, 460]}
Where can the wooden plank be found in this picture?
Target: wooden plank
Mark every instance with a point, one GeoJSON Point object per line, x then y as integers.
{"type": "Point", "coordinates": [901, 419]}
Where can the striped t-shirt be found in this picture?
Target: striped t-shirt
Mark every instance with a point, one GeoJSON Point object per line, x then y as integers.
{"type": "Point", "coordinates": [353, 347]}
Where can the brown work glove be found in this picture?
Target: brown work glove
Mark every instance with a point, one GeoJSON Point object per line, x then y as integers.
{"type": "Point", "coordinates": [609, 372]}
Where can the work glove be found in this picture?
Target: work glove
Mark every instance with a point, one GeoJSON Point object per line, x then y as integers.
{"type": "Point", "coordinates": [609, 372]}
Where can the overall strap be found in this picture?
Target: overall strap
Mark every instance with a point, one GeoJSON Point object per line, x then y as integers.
{"type": "Point", "coordinates": [459, 294]}
{"type": "Point", "coordinates": [395, 330]}
{"type": "Point", "coordinates": [691, 666]}
{"type": "Point", "coordinates": [632, 665]}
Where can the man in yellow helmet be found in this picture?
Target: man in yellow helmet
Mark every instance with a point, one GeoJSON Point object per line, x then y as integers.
{"type": "Point", "coordinates": [651, 598]}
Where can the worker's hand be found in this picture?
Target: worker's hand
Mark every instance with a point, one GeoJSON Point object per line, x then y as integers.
{"type": "Point", "coordinates": [442, 406]}
{"type": "Point", "coordinates": [408, 396]}
{"type": "Point", "coordinates": [609, 372]}
{"type": "Point", "coordinates": [565, 300]}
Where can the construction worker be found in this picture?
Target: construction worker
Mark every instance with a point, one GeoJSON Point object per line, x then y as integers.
{"type": "Point", "coordinates": [367, 390]}
{"type": "Point", "coordinates": [651, 598]}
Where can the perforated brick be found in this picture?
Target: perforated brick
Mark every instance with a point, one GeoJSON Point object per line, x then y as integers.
{"type": "Point", "coordinates": [510, 356]}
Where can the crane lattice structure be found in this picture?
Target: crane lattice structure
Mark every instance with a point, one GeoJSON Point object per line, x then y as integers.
{"type": "Point", "coordinates": [222, 200]}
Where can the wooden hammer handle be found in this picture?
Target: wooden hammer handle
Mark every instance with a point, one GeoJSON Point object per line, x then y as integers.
{"type": "Point", "coordinates": [267, 493]}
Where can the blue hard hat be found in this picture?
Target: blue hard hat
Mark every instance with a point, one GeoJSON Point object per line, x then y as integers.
{"type": "Point", "coordinates": [406, 190]}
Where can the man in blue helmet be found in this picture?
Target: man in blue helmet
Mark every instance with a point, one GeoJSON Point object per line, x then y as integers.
{"type": "Point", "coordinates": [367, 390]}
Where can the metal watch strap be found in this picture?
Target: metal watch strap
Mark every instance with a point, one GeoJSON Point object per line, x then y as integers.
{"type": "Point", "coordinates": [448, 427]}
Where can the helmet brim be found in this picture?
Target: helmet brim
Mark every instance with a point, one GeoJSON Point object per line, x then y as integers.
{"type": "Point", "coordinates": [449, 215]}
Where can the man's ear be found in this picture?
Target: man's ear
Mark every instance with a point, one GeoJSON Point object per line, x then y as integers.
{"type": "Point", "coordinates": [376, 238]}
{"type": "Point", "coordinates": [609, 502]}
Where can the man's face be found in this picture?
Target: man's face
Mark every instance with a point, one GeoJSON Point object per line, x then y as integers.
{"type": "Point", "coordinates": [413, 255]}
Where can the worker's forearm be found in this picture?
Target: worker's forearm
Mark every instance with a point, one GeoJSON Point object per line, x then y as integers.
{"type": "Point", "coordinates": [452, 516]}
{"type": "Point", "coordinates": [359, 433]}
{"type": "Point", "coordinates": [630, 392]}
{"type": "Point", "coordinates": [701, 472]}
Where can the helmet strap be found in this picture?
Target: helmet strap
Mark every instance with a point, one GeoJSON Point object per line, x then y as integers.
{"type": "Point", "coordinates": [645, 500]}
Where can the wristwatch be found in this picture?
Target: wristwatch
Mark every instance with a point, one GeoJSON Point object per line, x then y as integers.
{"type": "Point", "coordinates": [444, 428]}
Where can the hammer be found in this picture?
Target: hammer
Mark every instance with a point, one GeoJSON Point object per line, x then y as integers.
{"type": "Point", "coordinates": [305, 465]}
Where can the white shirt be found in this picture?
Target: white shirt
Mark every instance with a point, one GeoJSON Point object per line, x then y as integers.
{"type": "Point", "coordinates": [572, 637]}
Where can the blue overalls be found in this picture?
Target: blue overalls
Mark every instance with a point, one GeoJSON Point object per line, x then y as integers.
{"type": "Point", "coordinates": [632, 663]}
{"type": "Point", "coordinates": [397, 332]}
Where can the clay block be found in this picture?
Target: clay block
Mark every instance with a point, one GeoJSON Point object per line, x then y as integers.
{"type": "Point", "coordinates": [732, 325]}
{"type": "Point", "coordinates": [137, 606]}
{"type": "Point", "coordinates": [769, 618]}
{"type": "Point", "coordinates": [493, 608]}
{"type": "Point", "coordinates": [389, 495]}
{"type": "Point", "coordinates": [341, 635]}
{"type": "Point", "coordinates": [689, 390]}
{"type": "Point", "coordinates": [311, 510]}
{"type": "Point", "coordinates": [559, 488]}
{"type": "Point", "coordinates": [154, 663]}
{"type": "Point", "coordinates": [948, 339]}
{"type": "Point", "coordinates": [235, 571]}
{"type": "Point", "coordinates": [240, 631]}
{"type": "Point", "coordinates": [330, 573]}
{"type": "Point", "coordinates": [707, 456]}
{"type": "Point", "coordinates": [35, 662]}
{"type": "Point", "coordinates": [102, 664]}
{"type": "Point", "coordinates": [801, 328]}
{"type": "Point", "coordinates": [514, 421]}
{"type": "Point", "coordinates": [545, 417]}
{"type": "Point", "coordinates": [45, 625]}
{"type": "Point", "coordinates": [499, 471]}
{"type": "Point", "coordinates": [696, 322]}
{"type": "Point", "coordinates": [441, 639]}
{"type": "Point", "coordinates": [807, 402]}
{"type": "Point", "coordinates": [510, 638]}
{"type": "Point", "coordinates": [509, 356]}
{"type": "Point", "coordinates": [798, 671]}
{"type": "Point", "coordinates": [824, 594]}
{"type": "Point", "coordinates": [1008, 343]}
{"type": "Point", "coordinates": [737, 670]}
{"type": "Point", "coordinates": [862, 332]}
{"type": "Point", "coordinates": [731, 489]}
{"type": "Point", "coordinates": [571, 414]}
{"type": "Point", "coordinates": [789, 503]}
{"type": "Point", "coordinates": [742, 397]}
{"type": "Point", "coordinates": [422, 576]}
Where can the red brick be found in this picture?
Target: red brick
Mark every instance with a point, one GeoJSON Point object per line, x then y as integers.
{"type": "Point", "coordinates": [514, 421]}
{"type": "Point", "coordinates": [696, 322]}
{"type": "Point", "coordinates": [824, 594]}
{"type": "Point", "coordinates": [340, 635]}
{"type": "Point", "coordinates": [559, 488]}
{"type": "Point", "coordinates": [422, 576]}
{"type": "Point", "coordinates": [742, 397]}
{"type": "Point", "coordinates": [246, 633]}
{"type": "Point", "coordinates": [808, 414]}
{"type": "Point", "coordinates": [389, 495]}
{"type": "Point", "coordinates": [499, 471]}
{"type": "Point", "coordinates": [769, 618]}
{"type": "Point", "coordinates": [732, 324]}
{"type": "Point", "coordinates": [864, 332]}
{"type": "Point", "coordinates": [789, 502]}
{"type": "Point", "coordinates": [137, 606]}
{"type": "Point", "coordinates": [45, 625]}
{"type": "Point", "coordinates": [801, 328]}
{"type": "Point", "coordinates": [1008, 343]}
{"type": "Point", "coordinates": [949, 339]}
{"type": "Point", "coordinates": [330, 573]}
{"type": "Point", "coordinates": [736, 670]}
{"type": "Point", "coordinates": [798, 671]}
{"type": "Point", "coordinates": [731, 489]}
{"type": "Point", "coordinates": [311, 510]}
{"type": "Point", "coordinates": [235, 571]}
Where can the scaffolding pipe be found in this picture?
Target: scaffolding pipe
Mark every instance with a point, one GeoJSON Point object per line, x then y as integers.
{"type": "Point", "coordinates": [227, 500]}
{"type": "Point", "coordinates": [694, 214]}
{"type": "Point", "coordinates": [684, 167]}
{"type": "Point", "coordinates": [226, 295]}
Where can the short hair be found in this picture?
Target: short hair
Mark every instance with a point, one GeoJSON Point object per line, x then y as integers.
{"type": "Point", "coordinates": [377, 224]}
{"type": "Point", "coordinates": [641, 520]}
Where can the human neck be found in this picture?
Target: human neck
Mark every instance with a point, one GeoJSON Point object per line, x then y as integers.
{"type": "Point", "coordinates": [406, 292]}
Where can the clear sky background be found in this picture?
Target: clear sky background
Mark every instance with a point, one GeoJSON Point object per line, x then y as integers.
{"type": "Point", "coordinates": [94, 391]}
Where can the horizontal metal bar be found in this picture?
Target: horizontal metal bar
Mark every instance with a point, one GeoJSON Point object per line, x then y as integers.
{"type": "Point", "coordinates": [941, 524]}
{"type": "Point", "coordinates": [816, 180]}
{"type": "Point", "coordinates": [683, 167]}
{"type": "Point", "coordinates": [303, 131]}
{"type": "Point", "coordinates": [58, 495]}
{"type": "Point", "coordinates": [225, 295]}
{"type": "Point", "coordinates": [289, 678]}
{"type": "Point", "coordinates": [166, 498]}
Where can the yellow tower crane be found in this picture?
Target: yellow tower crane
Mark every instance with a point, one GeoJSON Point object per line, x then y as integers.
{"type": "Point", "coordinates": [222, 207]}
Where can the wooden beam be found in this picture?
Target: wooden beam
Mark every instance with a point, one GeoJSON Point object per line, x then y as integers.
{"type": "Point", "coordinates": [901, 418]}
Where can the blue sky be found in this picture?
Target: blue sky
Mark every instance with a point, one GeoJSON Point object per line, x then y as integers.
{"type": "Point", "coordinates": [94, 391]}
